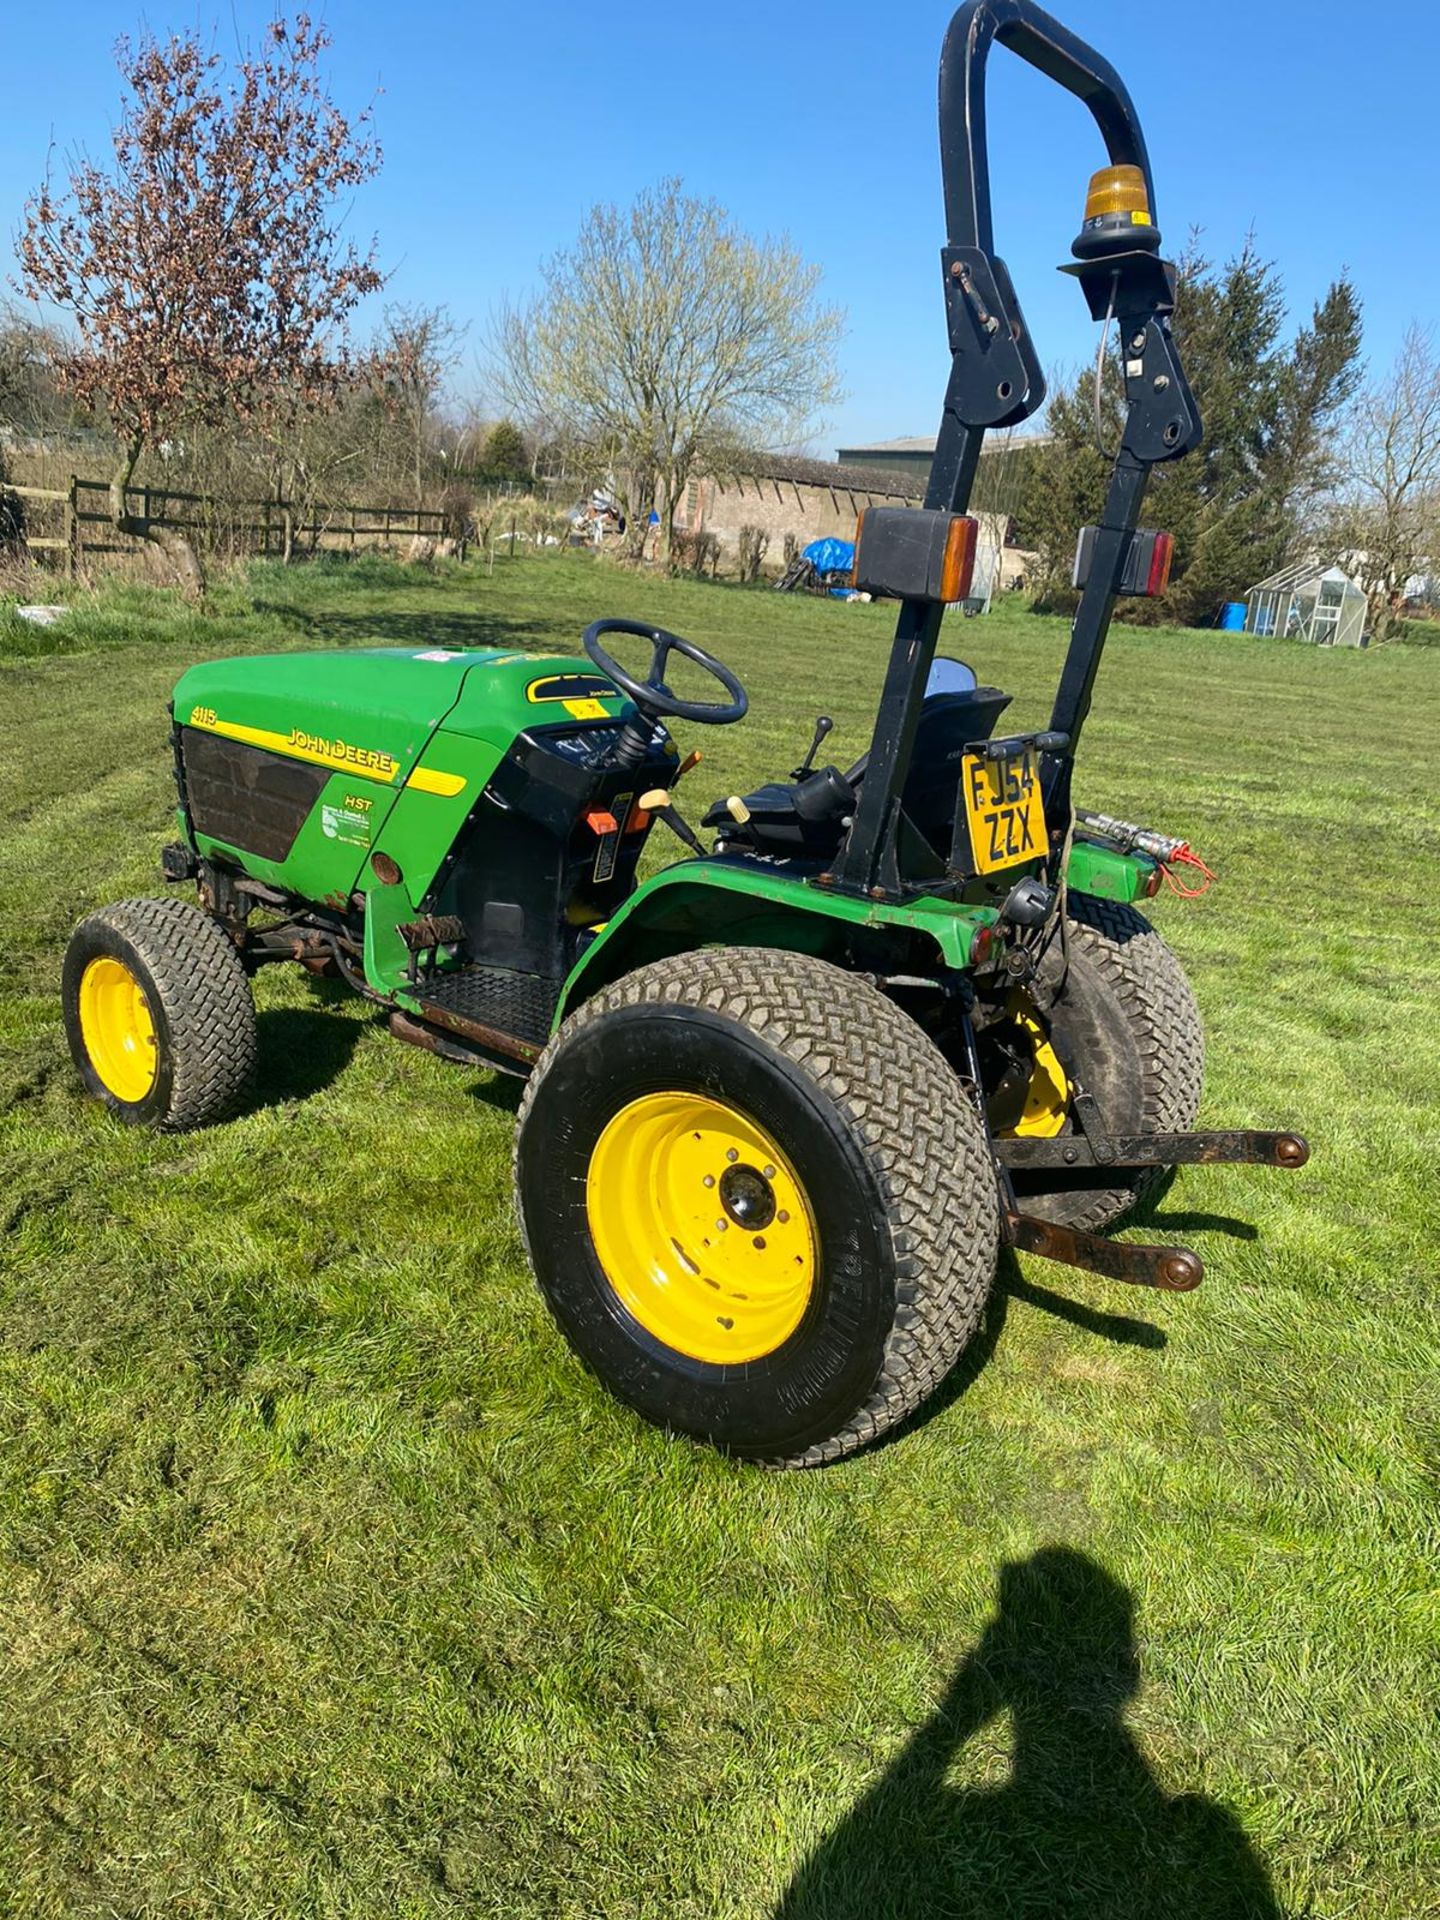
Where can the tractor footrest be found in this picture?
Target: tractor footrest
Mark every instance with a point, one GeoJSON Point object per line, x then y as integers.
{"type": "Point", "coordinates": [1243, 1147]}
{"type": "Point", "coordinates": [493, 1005]}
{"type": "Point", "coordinates": [1171, 1269]}
{"type": "Point", "coordinates": [432, 930]}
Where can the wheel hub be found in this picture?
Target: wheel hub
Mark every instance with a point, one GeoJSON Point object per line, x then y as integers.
{"type": "Point", "coordinates": [701, 1227]}
{"type": "Point", "coordinates": [748, 1197]}
{"type": "Point", "coordinates": [117, 1028]}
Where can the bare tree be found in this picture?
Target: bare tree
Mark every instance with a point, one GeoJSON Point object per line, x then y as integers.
{"type": "Point", "coordinates": [417, 348]}
{"type": "Point", "coordinates": [663, 340]}
{"type": "Point", "coordinates": [204, 269]}
{"type": "Point", "coordinates": [30, 399]}
{"type": "Point", "coordinates": [1388, 516]}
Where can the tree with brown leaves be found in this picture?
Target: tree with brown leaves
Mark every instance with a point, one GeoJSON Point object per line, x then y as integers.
{"type": "Point", "coordinates": [204, 269]}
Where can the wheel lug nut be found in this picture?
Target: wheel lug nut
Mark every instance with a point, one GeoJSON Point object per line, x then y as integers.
{"type": "Point", "coordinates": [760, 1240]}
{"type": "Point", "coordinates": [723, 1225]}
{"type": "Point", "coordinates": [709, 1180]}
{"type": "Point", "coordinates": [782, 1216]}
{"type": "Point", "coordinates": [731, 1153]}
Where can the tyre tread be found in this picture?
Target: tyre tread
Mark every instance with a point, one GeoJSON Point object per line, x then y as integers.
{"type": "Point", "coordinates": [209, 1007]}
{"type": "Point", "coordinates": [907, 1106]}
{"type": "Point", "coordinates": [1148, 980]}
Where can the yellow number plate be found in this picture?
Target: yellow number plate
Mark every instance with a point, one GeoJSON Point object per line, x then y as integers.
{"type": "Point", "coordinates": [1003, 810]}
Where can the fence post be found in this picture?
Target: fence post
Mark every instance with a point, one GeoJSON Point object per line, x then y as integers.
{"type": "Point", "coordinates": [352, 529]}
{"type": "Point", "coordinates": [512, 536]}
{"type": "Point", "coordinates": [385, 536]}
{"type": "Point", "coordinates": [72, 530]}
{"type": "Point", "coordinates": [265, 528]}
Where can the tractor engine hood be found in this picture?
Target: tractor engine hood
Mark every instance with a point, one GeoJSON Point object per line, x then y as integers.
{"type": "Point", "coordinates": [291, 763]}
{"type": "Point", "coordinates": [371, 711]}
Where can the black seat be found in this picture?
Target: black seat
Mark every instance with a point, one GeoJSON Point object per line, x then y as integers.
{"type": "Point", "coordinates": [808, 818]}
{"type": "Point", "coordinates": [932, 787]}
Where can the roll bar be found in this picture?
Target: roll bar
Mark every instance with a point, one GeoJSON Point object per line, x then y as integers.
{"type": "Point", "coordinates": [1052, 50]}
{"type": "Point", "coordinates": [996, 380]}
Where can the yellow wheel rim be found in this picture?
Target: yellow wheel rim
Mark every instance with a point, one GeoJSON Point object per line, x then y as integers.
{"type": "Point", "coordinates": [701, 1227]}
{"type": "Point", "coordinates": [1047, 1097]}
{"type": "Point", "coordinates": [117, 1029]}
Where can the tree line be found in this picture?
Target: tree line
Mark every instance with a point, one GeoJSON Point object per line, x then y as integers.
{"type": "Point", "coordinates": [1305, 455]}
{"type": "Point", "coordinates": [210, 302]}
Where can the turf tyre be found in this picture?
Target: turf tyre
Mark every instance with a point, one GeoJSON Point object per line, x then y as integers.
{"type": "Point", "coordinates": [892, 1155]}
{"type": "Point", "coordinates": [1127, 1027]}
{"type": "Point", "coordinates": [199, 1000]}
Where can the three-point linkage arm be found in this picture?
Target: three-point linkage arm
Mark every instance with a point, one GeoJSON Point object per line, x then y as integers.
{"type": "Point", "coordinates": [996, 381]}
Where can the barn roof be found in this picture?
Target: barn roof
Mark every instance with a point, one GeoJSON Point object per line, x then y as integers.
{"type": "Point", "coordinates": [830, 473]}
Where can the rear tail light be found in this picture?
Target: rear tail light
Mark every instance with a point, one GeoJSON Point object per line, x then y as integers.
{"type": "Point", "coordinates": [1157, 578]}
{"type": "Point", "coordinates": [1146, 571]}
{"type": "Point", "coordinates": [983, 945]}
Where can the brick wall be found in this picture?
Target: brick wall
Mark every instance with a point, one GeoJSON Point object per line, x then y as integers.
{"type": "Point", "coordinates": [808, 510]}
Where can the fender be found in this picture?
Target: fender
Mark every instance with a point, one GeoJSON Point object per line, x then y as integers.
{"type": "Point", "coordinates": [714, 903]}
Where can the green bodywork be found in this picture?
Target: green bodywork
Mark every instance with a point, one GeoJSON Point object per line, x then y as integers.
{"type": "Point", "coordinates": [399, 726]}
{"type": "Point", "coordinates": [702, 903]}
{"type": "Point", "coordinates": [413, 737]}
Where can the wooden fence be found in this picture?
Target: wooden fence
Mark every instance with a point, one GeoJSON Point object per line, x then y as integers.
{"type": "Point", "coordinates": [260, 527]}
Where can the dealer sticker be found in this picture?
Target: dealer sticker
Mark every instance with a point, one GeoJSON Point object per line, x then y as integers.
{"type": "Point", "coordinates": [348, 823]}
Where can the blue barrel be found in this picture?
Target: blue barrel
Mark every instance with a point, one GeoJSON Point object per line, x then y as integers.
{"type": "Point", "coordinates": [1232, 616]}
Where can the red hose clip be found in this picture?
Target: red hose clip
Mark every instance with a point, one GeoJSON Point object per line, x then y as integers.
{"type": "Point", "coordinates": [1183, 857]}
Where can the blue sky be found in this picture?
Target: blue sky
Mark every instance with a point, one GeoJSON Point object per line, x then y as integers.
{"type": "Point", "coordinates": [1314, 123]}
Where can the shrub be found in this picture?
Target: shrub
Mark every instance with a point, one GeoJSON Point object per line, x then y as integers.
{"type": "Point", "coordinates": [754, 545]}
{"type": "Point", "coordinates": [694, 552]}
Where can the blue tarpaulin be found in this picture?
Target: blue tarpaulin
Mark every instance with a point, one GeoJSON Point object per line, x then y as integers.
{"type": "Point", "coordinates": [831, 556]}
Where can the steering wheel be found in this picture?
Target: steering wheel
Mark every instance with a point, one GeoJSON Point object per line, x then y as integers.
{"type": "Point", "coordinates": [651, 694]}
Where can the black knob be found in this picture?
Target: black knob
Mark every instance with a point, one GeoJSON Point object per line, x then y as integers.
{"type": "Point", "coordinates": [822, 727]}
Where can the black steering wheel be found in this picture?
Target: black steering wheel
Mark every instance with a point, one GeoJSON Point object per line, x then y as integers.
{"type": "Point", "coordinates": [651, 694]}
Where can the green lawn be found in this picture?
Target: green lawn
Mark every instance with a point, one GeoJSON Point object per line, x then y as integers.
{"type": "Point", "coordinates": [332, 1586]}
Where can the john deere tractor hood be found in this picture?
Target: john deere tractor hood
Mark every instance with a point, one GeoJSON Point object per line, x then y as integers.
{"type": "Point", "coordinates": [378, 721]}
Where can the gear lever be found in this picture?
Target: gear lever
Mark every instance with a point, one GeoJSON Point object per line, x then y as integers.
{"type": "Point", "coordinates": [822, 726]}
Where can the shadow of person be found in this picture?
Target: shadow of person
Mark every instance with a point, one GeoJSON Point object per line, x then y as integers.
{"type": "Point", "coordinates": [1081, 1827]}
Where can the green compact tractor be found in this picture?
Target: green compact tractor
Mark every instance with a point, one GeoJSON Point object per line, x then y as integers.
{"type": "Point", "coordinates": [788, 1098]}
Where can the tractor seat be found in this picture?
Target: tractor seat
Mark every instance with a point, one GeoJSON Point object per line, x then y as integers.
{"type": "Point", "coordinates": [808, 817]}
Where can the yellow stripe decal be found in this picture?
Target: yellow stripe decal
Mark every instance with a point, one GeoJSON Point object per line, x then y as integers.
{"type": "Point", "coordinates": [427, 780]}
{"type": "Point", "coordinates": [367, 763]}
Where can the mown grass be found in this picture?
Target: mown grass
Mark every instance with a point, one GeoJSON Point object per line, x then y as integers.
{"type": "Point", "coordinates": [332, 1586]}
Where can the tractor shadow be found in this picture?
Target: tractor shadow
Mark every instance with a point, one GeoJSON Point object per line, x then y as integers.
{"type": "Point", "coordinates": [502, 1091]}
{"type": "Point", "coordinates": [1080, 1828]}
{"type": "Point", "coordinates": [1170, 1226]}
{"type": "Point", "coordinates": [1167, 1226]}
{"type": "Point", "coordinates": [303, 1049]}
{"type": "Point", "coordinates": [1011, 1284]}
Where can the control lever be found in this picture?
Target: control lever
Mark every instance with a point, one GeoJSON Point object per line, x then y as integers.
{"type": "Point", "coordinates": [658, 802]}
{"type": "Point", "coordinates": [822, 726]}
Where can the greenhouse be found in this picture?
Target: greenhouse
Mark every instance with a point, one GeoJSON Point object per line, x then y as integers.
{"type": "Point", "coordinates": [1308, 602]}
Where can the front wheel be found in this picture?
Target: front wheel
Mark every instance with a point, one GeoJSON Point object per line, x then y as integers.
{"type": "Point", "coordinates": [159, 1014]}
{"type": "Point", "coordinates": [758, 1202]}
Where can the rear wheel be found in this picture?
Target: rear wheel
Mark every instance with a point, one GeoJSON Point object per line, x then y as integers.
{"type": "Point", "coordinates": [1124, 1027]}
{"type": "Point", "coordinates": [159, 1014]}
{"type": "Point", "coordinates": [757, 1201]}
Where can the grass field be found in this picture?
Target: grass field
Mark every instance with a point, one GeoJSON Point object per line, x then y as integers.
{"type": "Point", "coordinates": [331, 1585]}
